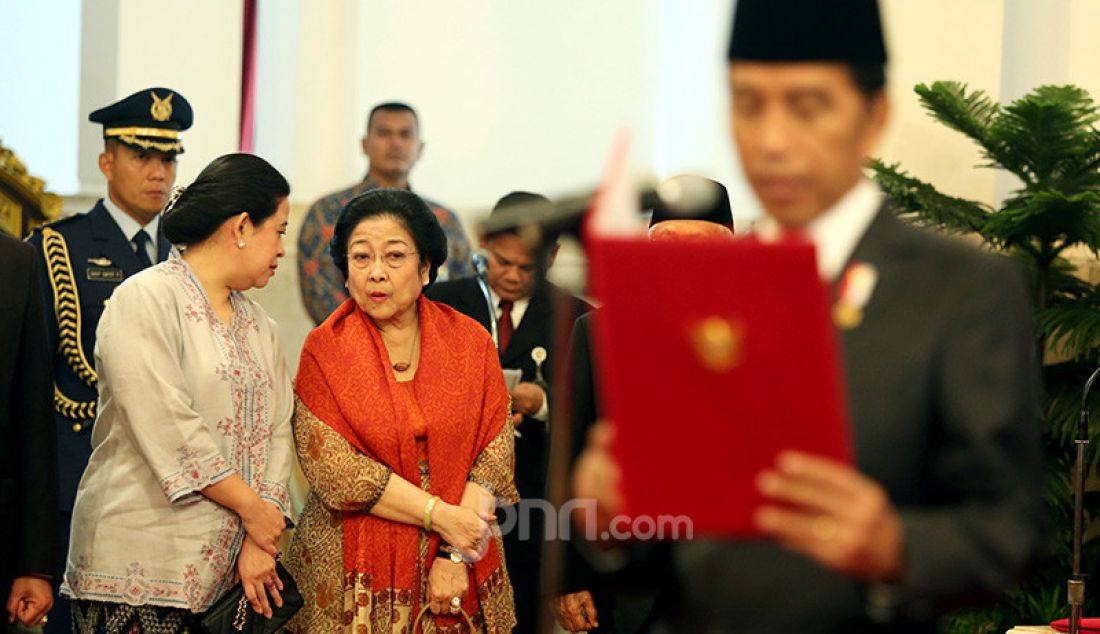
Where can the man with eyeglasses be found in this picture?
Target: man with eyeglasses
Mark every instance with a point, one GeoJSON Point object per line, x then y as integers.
{"type": "Point", "coordinates": [523, 319]}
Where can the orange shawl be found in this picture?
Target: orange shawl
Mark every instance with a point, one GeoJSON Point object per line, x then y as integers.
{"type": "Point", "coordinates": [346, 380]}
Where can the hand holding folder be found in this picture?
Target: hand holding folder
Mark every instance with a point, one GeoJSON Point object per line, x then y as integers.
{"type": "Point", "coordinates": [712, 359]}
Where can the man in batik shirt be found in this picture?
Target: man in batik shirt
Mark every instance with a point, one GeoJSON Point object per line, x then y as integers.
{"type": "Point", "coordinates": [392, 146]}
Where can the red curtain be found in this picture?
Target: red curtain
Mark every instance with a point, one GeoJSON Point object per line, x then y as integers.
{"type": "Point", "coordinates": [248, 77]}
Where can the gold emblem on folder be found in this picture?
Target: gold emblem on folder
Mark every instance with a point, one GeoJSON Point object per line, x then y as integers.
{"type": "Point", "coordinates": [161, 108]}
{"type": "Point", "coordinates": [717, 343]}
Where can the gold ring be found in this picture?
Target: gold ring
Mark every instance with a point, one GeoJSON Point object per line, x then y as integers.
{"type": "Point", "coordinates": [824, 528]}
{"type": "Point", "coordinates": [456, 602]}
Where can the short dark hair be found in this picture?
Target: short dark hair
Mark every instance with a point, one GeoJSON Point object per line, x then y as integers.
{"type": "Point", "coordinates": [229, 185]}
{"type": "Point", "coordinates": [528, 201]}
{"type": "Point", "coordinates": [870, 79]}
{"type": "Point", "coordinates": [403, 206]}
{"type": "Point", "coordinates": [392, 106]}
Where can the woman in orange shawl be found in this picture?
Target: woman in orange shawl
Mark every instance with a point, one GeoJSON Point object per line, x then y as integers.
{"type": "Point", "coordinates": [402, 426]}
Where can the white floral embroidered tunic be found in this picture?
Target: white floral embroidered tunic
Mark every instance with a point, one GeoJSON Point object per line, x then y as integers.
{"type": "Point", "coordinates": [184, 401]}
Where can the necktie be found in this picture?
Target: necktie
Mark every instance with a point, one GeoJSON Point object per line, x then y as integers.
{"type": "Point", "coordinates": [140, 240]}
{"type": "Point", "coordinates": [504, 324]}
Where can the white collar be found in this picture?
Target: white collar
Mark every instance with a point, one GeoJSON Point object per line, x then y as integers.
{"type": "Point", "coordinates": [129, 226]}
{"type": "Point", "coordinates": [519, 307]}
{"type": "Point", "coordinates": [837, 230]}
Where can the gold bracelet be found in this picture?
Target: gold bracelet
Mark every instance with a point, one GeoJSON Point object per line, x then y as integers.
{"type": "Point", "coordinates": [428, 513]}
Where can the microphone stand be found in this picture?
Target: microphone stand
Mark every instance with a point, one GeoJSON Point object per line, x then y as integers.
{"type": "Point", "coordinates": [481, 268]}
{"type": "Point", "coordinates": [1075, 587]}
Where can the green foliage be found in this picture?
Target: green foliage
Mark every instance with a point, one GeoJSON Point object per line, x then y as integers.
{"type": "Point", "coordinates": [1049, 141]}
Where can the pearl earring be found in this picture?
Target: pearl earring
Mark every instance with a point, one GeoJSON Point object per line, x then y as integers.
{"type": "Point", "coordinates": [240, 244]}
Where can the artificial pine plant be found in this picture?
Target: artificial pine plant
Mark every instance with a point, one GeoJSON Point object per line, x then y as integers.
{"type": "Point", "coordinates": [1048, 139]}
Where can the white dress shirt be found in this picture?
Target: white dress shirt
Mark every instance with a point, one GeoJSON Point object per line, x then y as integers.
{"type": "Point", "coordinates": [519, 309]}
{"type": "Point", "coordinates": [130, 227]}
{"type": "Point", "coordinates": [835, 232]}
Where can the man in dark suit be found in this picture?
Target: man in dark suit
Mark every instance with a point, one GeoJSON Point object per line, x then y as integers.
{"type": "Point", "coordinates": [522, 318]}
{"type": "Point", "coordinates": [28, 451]}
{"type": "Point", "coordinates": [84, 257]}
{"type": "Point", "coordinates": [615, 593]}
{"type": "Point", "coordinates": [943, 503]}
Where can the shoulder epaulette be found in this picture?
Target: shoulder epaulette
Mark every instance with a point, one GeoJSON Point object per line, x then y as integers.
{"type": "Point", "coordinates": [60, 222]}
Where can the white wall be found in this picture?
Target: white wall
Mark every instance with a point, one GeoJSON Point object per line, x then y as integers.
{"type": "Point", "coordinates": [691, 119]}
{"type": "Point", "coordinates": [66, 58]}
{"type": "Point", "coordinates": [40, 84]}
{"type": "Point", "coordinates": [518, 94]}
{"type": "Point", "coordinates": [524, 94]}
{"type": "Point", "coordinates": [512, 94]}
{"type": "Point", "coordinates": [940, 40]}
{"type": "Point", "coordinates": [192, 48]}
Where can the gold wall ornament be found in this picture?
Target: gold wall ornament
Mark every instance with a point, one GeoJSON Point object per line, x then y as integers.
{"type": "Point", "coordinates": [11, 214]}
{"type": "Point", "coordinates": [24, 203]}
{"type": "Point", "coordinates": [718, 343]}
{"type": "Point", "coordinates": [161, 108]}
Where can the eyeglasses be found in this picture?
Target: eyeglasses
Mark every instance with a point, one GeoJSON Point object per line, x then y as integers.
{"type": "Point", "coordinates": [392, 259]}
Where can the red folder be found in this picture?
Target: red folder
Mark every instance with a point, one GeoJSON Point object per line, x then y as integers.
{"type": "Point", "coordinates": [712, 358]}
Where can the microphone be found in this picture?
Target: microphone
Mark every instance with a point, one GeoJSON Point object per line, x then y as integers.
{"type": "Point", "coordinates": [680, 194]}
{"type": "Point", "coordinates": [481, 264]}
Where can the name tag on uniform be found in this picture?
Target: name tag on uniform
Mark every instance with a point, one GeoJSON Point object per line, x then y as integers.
{"type": "Point", "coordinates": [104, 274]}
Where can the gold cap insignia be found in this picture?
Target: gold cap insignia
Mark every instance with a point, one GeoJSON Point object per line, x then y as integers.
{"type": "Point", "coordinates": [161, 108]}
{"type": "Point", "coordinates": [718, 343]}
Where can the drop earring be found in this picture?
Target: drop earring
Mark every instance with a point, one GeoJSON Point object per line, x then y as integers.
{"type": "Point", "coordinates": [240, 244]}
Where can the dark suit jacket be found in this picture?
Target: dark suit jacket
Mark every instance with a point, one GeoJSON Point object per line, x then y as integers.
{"type": "Point", "coordinates": [942, 379]}
{"type": "Point", "coordinates": [28, 453]}
{"type": "Point", "coordinates": [536, 329]}
{"type": "Point", "coordinates": [100, 257]}
{"type": "Point", "coordinates": [625, 597]}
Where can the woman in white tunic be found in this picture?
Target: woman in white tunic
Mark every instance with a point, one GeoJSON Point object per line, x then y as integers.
{"type": "Point", "coordinates": [186, 489]}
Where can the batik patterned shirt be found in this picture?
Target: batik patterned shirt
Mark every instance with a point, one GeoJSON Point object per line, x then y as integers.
{"type": "Point", "coordinates": [321, 282]}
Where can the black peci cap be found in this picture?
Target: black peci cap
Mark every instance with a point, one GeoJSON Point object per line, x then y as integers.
{"type": "Point", "coordinates": [718, 211]}
{"type": "Point", "coordinates": [808, 30]}
{"type": "Point", "coordinates": [149, 119]}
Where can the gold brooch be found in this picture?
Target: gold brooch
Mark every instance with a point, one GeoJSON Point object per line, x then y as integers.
{"type": "Point", "coordinates": [718, 343]}
{"type": "Point", "coordinates": [161, 108]}
{"type": "Point", "coordinates": [853, 292]}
